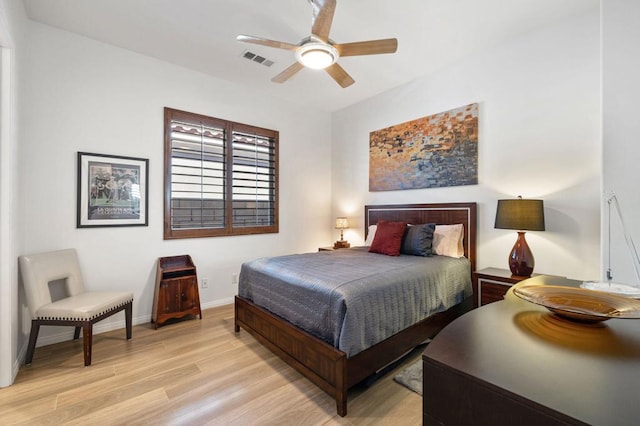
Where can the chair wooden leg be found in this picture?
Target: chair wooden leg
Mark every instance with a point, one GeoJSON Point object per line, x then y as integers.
{"type": "Point", "coordinates": [87, 336]}
{"type": "Point", "coordinates": [33, 336]}
{"type": "Point", "coordinates": [76, 333]}
{"type": "Point", "coordinates": [128, 315]}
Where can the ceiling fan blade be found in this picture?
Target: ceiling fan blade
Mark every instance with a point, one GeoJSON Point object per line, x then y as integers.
{"type": "Point", "coordinates": [288, 73]}
{"type": "Point", "coordinates": [371, 47]}
{"type": "Point", "coordinates": [340, 75]}
{"type": "Point", "coordinates": [265, 42]}
{"type": "Point", "coordinates": [323, 11]}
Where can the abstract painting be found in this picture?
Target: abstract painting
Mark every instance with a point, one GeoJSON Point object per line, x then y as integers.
{"type": "Point", "coordinates": [431, 152]}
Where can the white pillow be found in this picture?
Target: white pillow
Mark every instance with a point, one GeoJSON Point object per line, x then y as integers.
{"type": "Point", "coordinates": [370, 235]}
{"type": "Point", "coordinates": [447, 240]}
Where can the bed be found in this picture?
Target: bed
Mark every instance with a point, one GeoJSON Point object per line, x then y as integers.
{"type": "Point", "coordinates": [335, 367]}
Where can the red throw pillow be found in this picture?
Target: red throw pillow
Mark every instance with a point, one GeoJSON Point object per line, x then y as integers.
{"type": "Point", "coordinates": [388, 238]}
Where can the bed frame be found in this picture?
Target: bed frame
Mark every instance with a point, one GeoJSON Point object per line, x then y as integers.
{"type": "Point", "coordinates": [330, 368]}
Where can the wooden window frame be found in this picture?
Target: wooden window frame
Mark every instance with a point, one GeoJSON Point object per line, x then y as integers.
{"type": "Point", "coordinates": [228, 229]}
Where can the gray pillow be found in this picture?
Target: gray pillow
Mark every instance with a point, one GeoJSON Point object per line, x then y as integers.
{"type": "Point", "coordinates": [418, 240]}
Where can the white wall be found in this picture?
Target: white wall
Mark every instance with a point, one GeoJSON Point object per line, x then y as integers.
{"type": "Point", "coordinates": [539, 138]}
{"type": "Point", "coordinates": [12, 22]}
{"type": "Point", "coordinates": [82, 95]}
{"type": "Point", "coordinates": [621, 130]}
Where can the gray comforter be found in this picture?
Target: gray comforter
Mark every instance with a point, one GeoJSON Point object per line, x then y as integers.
{"type": "Point", "coordinates": [351, 298]}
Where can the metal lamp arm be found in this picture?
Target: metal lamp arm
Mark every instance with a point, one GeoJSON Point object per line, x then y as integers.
{"type": "Point", "coordinates": [632, 247]}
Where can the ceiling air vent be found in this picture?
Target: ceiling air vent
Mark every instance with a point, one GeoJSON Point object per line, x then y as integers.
{"type": "Point", "coordinates": [257, 58]}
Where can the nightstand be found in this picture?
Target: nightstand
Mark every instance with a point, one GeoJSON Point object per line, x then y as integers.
{"type": "Point", "coordinates": [491, 284]}
{"type": "Point", "coordinates": [328, 248]}
{"type": "Point", "coordinates": [176, 292]}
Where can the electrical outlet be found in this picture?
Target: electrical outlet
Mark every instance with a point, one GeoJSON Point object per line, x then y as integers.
{"type": "Point", "coordinates": [234, 278]}
{"type": "Point", "coordinates": [205, 282]}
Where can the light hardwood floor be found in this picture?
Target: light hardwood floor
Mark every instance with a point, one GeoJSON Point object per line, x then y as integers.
{"type": "Point", "coordinates": [189, 373]}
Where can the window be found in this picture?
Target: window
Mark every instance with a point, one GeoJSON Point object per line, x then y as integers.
{"type": "Point", "coordinates": [221, 177]}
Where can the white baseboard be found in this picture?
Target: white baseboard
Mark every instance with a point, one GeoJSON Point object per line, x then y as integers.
{"type": "Point", "coordinates": [217, 303]}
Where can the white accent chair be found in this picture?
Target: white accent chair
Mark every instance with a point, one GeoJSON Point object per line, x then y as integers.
{"type": "Point", "coordinates": [80, 309]}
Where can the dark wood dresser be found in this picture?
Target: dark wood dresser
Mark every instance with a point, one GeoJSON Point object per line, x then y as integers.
{"type": "Point", "coordinates": [515, 363]}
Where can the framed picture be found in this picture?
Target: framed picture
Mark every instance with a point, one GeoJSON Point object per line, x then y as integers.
{"type": "Point", "coordinates": [112, 190]}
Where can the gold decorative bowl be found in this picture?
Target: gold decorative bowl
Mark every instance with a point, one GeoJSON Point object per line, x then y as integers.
{"type": "Point", "coordinates": [578, 304]}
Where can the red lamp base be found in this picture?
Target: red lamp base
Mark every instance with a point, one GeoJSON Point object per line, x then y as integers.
{"type": "Point", "coordinates": [521, 260]}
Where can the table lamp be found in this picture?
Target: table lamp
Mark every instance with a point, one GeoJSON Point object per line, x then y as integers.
{"type": "Point", "coordinates": [341, 223]}
{"type": "Point", "coordinates": [521, 215]}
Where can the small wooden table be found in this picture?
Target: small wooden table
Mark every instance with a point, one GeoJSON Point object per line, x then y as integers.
{"type": "Point", "coordinates": [514, 362]}
{"type": "Point", "coordinates": [176, 293]}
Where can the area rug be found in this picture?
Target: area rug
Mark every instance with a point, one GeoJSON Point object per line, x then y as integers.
{"type": "Point", "coordinates": [411, 377]}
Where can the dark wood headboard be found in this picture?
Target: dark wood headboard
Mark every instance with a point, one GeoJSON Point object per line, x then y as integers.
{"type": "Point", "coordinates": [440, 214]}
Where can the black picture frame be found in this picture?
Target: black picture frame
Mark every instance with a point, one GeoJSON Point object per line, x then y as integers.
{"type": "Point", "coordinates": [112, 191]}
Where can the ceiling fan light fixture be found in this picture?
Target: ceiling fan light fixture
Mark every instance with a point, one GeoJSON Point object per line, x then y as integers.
{"type": "Point", "coordinates": [317, 55]}
{"type": "Point", "coordinates": [319, 51]}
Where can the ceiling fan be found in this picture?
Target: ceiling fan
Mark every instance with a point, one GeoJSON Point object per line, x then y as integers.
{"type": "Point", "coordinates": [318, 51]}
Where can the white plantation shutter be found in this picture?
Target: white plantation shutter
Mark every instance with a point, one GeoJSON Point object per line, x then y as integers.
{"type": "Point", "coordinates": [206, 194]}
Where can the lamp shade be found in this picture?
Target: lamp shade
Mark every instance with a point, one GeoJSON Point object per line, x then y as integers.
{"type": "Point", "coordinates": [519, 214]}
{"type": "Point", "coordinates": [342, 223]}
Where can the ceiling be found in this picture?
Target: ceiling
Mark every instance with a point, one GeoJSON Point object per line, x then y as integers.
{"type": "Point", "coordinates": [200, 35]}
